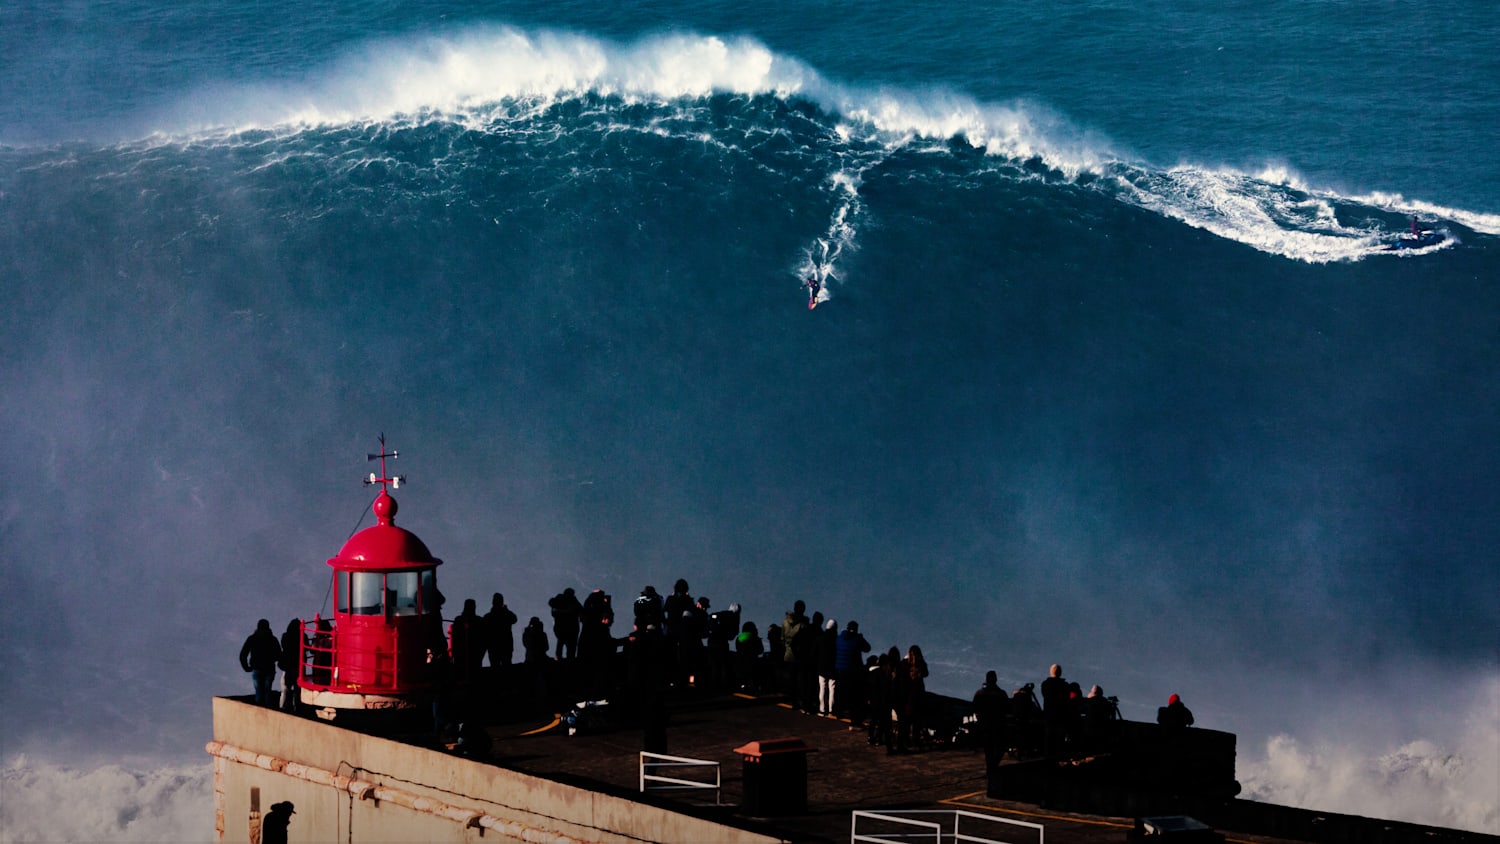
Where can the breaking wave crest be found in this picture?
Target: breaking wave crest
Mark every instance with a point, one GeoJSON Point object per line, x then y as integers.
{"type": "Point", "coordinates": [462, 76]}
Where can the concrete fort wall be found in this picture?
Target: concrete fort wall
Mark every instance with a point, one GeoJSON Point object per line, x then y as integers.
{"type": "Point", "coordinates": [348, 786]}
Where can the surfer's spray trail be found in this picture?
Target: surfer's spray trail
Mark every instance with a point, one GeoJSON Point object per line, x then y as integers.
{"type": "Point", "coordinates": [820, 259]}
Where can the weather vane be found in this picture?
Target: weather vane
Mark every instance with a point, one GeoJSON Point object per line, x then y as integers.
{"type": "Point", "coordinates": [384, 479]}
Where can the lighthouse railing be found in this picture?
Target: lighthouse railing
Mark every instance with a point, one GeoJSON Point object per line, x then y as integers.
{"type": "Point", "coordinates": [345, 661]}
{"type": "Point", "coordinates": [317, 656]}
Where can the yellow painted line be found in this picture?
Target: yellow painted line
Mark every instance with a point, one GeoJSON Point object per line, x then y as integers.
{"type": "Point", "coordinates": [556, 719]}
{"type": "Point", "coordinates": [957, 801]}
{"type": "Point", "coordinates": [746, 696]}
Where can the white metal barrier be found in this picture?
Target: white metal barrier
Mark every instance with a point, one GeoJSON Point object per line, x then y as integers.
{"type": "Point", "coordinates": [651, 780]}
{"type": "Point", "coordinates": [939, 825]}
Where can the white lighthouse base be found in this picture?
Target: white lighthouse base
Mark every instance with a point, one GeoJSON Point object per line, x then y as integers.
{"type": "Point", "coordinates": [326, 704]}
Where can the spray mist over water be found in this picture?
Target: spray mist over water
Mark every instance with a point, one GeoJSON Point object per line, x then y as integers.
{"type": "Point", "coordinates": [1164, 461]}
{"type": "Point", "coordinates": [1451, 782]}
{"type": "Point", "coordinates": [40, 801]}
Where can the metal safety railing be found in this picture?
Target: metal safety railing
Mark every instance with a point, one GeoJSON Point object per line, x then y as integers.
{"type": "Point", "coordinates": [653, 780]}
{"type": "Point", "coordinates": [319, 651]}
{"type": "Point", "coordinates": [940, 825]}
{"type": "Point", "coordinates": [331, 663]}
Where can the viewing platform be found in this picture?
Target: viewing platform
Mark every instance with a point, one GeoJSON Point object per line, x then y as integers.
{"type": "Point", "coordinates": [539, 780]}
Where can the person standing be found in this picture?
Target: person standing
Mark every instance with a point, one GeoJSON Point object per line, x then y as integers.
{"type": "Point", "coordinates": [290, 664]}
{"type": "Point", "coordinates": [596, 647]}
{"type": "Point", "coordinates": [534, 642]}
{"type": "Point", "coordinates": [848, 666]}
{"type": "Point", "coordinates": [675, 607]}
{"type": "Point", "coordinates": [259, 656]}
{"type": "Point", "coordinates": [647, 675]}
{"type": "Point", "coordinates": [1056, 709]}
{"type": "Point", "coordinates": [1175, 715]}
{"type": "Point", "coordinates": [797, 658]}
{"type": "Point", "coordinates": [913, 696]}
{"type": "Point", "coordinates": [723, 627]}
{"type": "Point", "coordinates": [566, 612]}
{"type": "Point", "coordinates": [466, 645]}
{"type": "Point", "coordinates": [499, 638]}
{"type": "Point", "coordinates": [1099, 716]}
{"type": "Point", "coordinates": [825, 656]}
{"type": "Point", "coordinates": [536, 668]}
{"type": "Point", "coordinates": [687, 634]}
{"type": "Point", "coordinates": [885, 694]}
{"type": "Point", "coordinates": [747, 651]}
{"type": "Point", "coordinates": [991, 707]}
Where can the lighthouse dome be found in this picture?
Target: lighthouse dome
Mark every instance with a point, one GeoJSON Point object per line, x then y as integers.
{"type": "Point", "coordinates": [383, 545]}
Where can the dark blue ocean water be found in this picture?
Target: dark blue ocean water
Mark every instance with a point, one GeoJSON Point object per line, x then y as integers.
{"type": "Point", "coordinates": [1113, 367]}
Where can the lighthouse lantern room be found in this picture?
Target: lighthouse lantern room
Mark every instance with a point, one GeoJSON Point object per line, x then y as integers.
{"type": "Point", "coordinates": [373, 653]}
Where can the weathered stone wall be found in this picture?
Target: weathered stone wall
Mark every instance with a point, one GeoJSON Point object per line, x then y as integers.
{"type": "Point", "coordinates": [348, 786]}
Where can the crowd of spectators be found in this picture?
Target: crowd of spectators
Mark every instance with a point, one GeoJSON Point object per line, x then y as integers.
{"type": "Point", "coordinates": [678, 644]}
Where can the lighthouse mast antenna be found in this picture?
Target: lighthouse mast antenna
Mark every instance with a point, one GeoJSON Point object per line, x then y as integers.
{"type": "Point", "coordinates": [384, 478]}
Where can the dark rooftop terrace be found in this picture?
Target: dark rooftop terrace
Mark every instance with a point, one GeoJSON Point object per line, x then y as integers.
{"type": "Point", "coordinates": [844, 774]}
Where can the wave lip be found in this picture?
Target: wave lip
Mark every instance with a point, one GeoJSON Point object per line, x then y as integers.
{"type": "Point", "coordinates": [459, 72]}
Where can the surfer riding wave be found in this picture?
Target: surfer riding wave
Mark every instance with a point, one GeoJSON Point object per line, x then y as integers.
{"type": "Point", "coordinates": [814, 287]}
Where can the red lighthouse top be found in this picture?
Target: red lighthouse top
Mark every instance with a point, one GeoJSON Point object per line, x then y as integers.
{"type": "Point", "coordinates": [383, 546]}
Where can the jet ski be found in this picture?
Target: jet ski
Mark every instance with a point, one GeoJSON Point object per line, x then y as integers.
{"type": "Point", "coordinates": [1418, 238]}
{"type": "Point", "coordinates": [1423, 238]}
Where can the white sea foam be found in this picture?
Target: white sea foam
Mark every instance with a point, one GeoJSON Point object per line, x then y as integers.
{"type": "Point", "coordinates": [1267, 212]}
{"type": "Point", "coordinates": [1480, 222]}
{"type": "Point", "coordinates": [40, 801]}
{"type": "Point", "coordinates": [1449, 782]}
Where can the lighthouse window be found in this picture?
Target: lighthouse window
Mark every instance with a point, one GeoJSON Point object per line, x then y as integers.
{"type": "Point", "coordinates": [402, 589]}
{"type": "Point", "coordinates": [365, 592]}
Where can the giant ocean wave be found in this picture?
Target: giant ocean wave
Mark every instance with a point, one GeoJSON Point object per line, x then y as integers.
{"type": "Point", "coordinates": [694, 89]}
